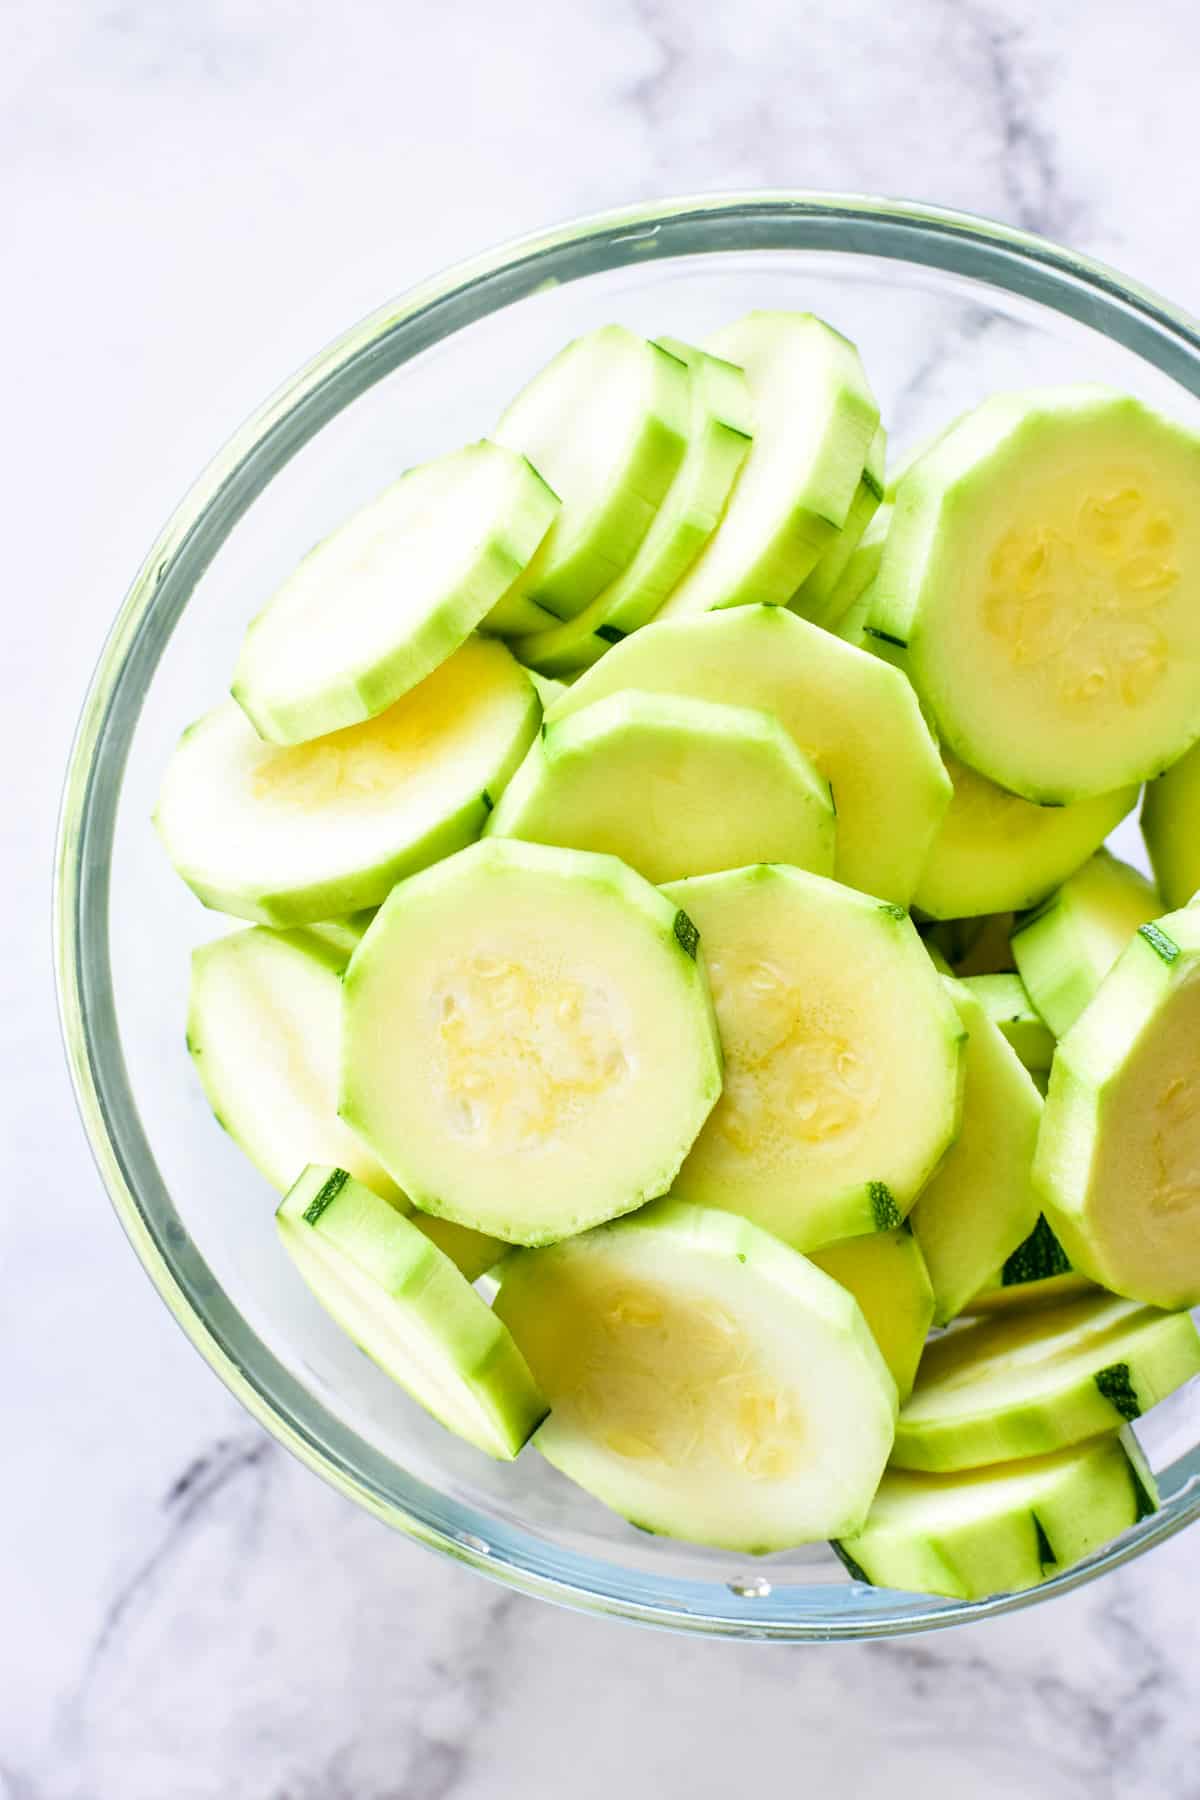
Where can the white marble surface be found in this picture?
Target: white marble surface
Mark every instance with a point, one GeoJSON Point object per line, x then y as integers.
{"type": "Point", "coordinates": [194, 196]}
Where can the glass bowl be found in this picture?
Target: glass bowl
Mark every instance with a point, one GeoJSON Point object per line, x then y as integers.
{"type": "Point", "coordinates": [945, 308]}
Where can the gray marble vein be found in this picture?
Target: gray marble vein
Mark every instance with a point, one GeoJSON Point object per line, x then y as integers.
{"type": "Point", "coordinates": [195, 195]}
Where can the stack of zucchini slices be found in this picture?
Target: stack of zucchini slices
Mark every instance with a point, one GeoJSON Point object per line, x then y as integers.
{"type": "Point", "coordinates": [687, 1006]}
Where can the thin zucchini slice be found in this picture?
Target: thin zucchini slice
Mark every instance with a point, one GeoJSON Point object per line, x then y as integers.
{"type": "Point", "coordinates": [825, 595]}
{"type": "Point", "coordinates": [391, 594]}
{"type": "Point", "coordinates": [606, 424]}
{"type": "Point", "coordinates": [842, 1056]}
{"type": "Point", "coordinates": [716, 787]}
{"type": "Point", "coordinates": [1019, 1386]}
{"type": "Point", "coordinates": [999, 1530]}
{"type": "Point", "coordinates": [720, 426]}
{"type": "Point", "coordinates": [1038, 1273]}
{"type": "Point", "coordinates": [409, 1308]}
{"type": "Point", "coordinates": [528, 1041]}
{"type": "Point", "coordinates": [981, 1204]}
{"type": "Point", "coordinates": [289, 836]}
{"type": "Point", "coordinates": [814, 419]}
{"type": "Point", "coordinates": [705, 1381]}
{"type": "Point", "coordinates": [1005, 1000]}
{"type": "Point", "coordinates": [1171, 828]}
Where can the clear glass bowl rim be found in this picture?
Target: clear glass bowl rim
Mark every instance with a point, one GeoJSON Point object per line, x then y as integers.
{"type": "Point", "coordinates": [957, 243]}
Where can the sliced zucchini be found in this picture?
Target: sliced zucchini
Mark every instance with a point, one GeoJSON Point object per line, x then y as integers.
{"type": "Point", "coordinates": [850, 604]}
{"type": "Point", "coordinates": [716, 787]}
{"type": "Point", "coordinates": [705, 1381]}
{"type": "Point", "coordinates": [995, 852]}
{"type": "Point", "coordinates": [825, 595]}
{"type": "Point", "coordinates": [842, 1056]}
{"type": "Point", "coordinates": [999, 1530]}
{"type": "Point", "coordinates": [814, 419]}
{"type": "Point", "coordinates": [606, 423]}
{"type": "Point", "coordinates": [720, 423]}
{"type": "Point", "coordinates": [547, 687]}
{"type": "Point", "coordinates": [1038, 1273]}
{"type": "Point", "coordinates": [981, 1205]}
{"type": "Point", "coordinates": [409, 1308]}
{"type": "Point", "coordinates": [979, 946]}
{"type": "Point", "coordinates": [1020, 1385]}
{"type": "Point", "coordinates": [886, 1273]}
{"type": "Point", "coordinates": [291, 835]}
{"type": "Point", "coordinates": [264, 1030]}
{"type": "Point", "coordinates": [1041, 586]}
{"type": "Point", "coordinates": [1065, 950]}
{"type": "Point", "coordinates": [1118, 1160]}
{"type": "Point", "coordinates": [1006, 1003]}
{"type": "Point", "coordinates": [342, 934]}
{"type": "Point", "coordinates": [856, 717]}
{"type": "Point", "coordinates": [1171, 828]}
{"type": "Point", "coordinates": [528, 1045]}
{"type": "Point", "coordinates": [391, 594]}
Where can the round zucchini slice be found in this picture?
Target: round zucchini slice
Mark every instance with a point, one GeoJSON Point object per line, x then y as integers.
{"type": "Point", "coordinates": [528, 1040]}
{"type": "Point", "coordinates": [1041, 586]}
{"type": "Point", "coordinates": [855, 716]}
{"type": "Point", "coordinates": [842, 1056]}
{"type": "Point", "coordinates": [715, 787]}
{"type": "Point", "coordinates": [292, 835]}
{"type": "Point", "coordinates": [705, 1381]}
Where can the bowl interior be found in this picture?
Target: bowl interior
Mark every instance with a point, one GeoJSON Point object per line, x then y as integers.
{"type": "Point", "coordinates": [938, 328]}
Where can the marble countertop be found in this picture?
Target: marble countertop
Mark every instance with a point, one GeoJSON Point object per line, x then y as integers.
{"type": "Point", "coordinates": [195, 196]}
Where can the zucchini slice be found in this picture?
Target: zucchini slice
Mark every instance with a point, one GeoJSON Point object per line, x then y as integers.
{"type": "Point", "coordinates": [886, 1273]}
{"type": "Point", "coordinates": [716, 787]}
{"type": "Point", "coordinates": [999, 1530]}
{"type": "Point", "coordinates": [995, 852]}
{"type": "Point", "coordinates": [1006, 1002]}
{"type": "Point", "coordinates": [1041, 586]}
{"type": "Point", "coordinates": [606, 424]}
{"type": "Point", "coordinates": [292, 835]}
{"type": "Point", "coordinates": [842, 1056]}
{"type": "Point", "coordinates": [1118, 1161]}
{"type": "Point", "coordinates": [855, 716]}
{"type": "Point", "coordinates": [264, 1029]}
{"type": "Point", "coordinates": [981, 1204]}
{"type": "Point", "coordinates": [391, 594]}
{"type": "Point", "coordinates": [825, 595]}
{"type": "Point", "coordinates": [1021, 1385]}
{"type": "Point", "coordinates": [528, 1040]}
{"type": "Point", "coordinates": [719, 431]}
{"type": "Point", "coordinates": [705, 1381]}
{"type": "Point", "coordinates": [814, 419]}
{"type": "Point", "coordinates": [1066, 948]}
{"type": "Point", "coordinates": [1171, 828]}
{"type": "Point", "coordinates": [404, 1302]}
